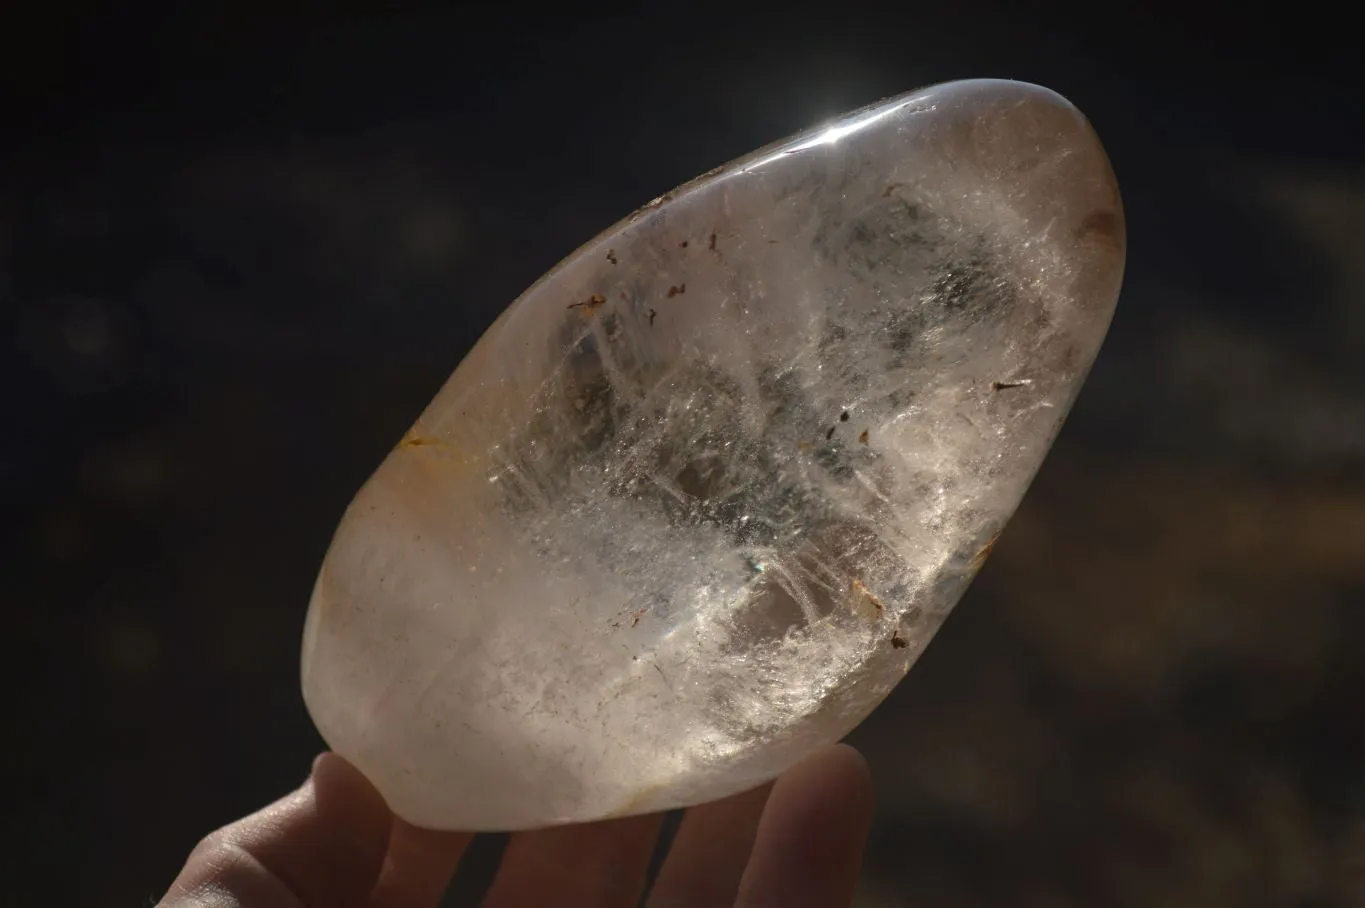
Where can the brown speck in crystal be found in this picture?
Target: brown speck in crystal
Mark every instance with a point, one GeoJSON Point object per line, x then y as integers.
{"type": "Point", "coordinates": [590, 305]}
{"type": "Point", "coordinates": [611, 256]}
{"type": "Point", "coordinates": [414, 440]}
{"type": "Point", "coordinates": [1104, 223]}
{"type": "Point", "coordinates": [1006, 385]}
{"type": "Point", "coordinates": [898, 641]}
{"type": "Point", "coordinates": [683, 244]}
{"type": "Point", "coordinates": [652, 316]}
{"type": "Point", "coordinates": [868, 595]}
{"type": "Point", "coordinates": [675, 290]}
{"type": "Point", "coordinates": [980, 559]}
{"type": "Point", "coordinates": [711, 243]}
{"type": "Point", "coordinates": [843, 417]}
{"type": "Point", "coordinates": [830, 433]}
{"type": "Point", "coordinates": [862, 437]}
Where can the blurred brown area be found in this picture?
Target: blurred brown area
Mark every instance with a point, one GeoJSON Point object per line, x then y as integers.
{"type": "Point", "coordinates": [237, 256]}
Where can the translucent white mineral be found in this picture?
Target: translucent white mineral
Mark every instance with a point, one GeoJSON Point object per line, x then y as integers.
{"type": "Point", "coordinates": [698, 499]}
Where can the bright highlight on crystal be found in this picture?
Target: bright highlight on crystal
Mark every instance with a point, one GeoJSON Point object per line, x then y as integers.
{"type": "Point", "coordinates": [698, 499]}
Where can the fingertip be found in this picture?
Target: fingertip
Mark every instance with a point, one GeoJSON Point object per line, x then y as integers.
{"type": "Point", "coordinates": [810, 841]}
{"type": "Point", "coordinates": [847, 760]}
{"type": "Point", "coordinates": [335, 779]}
{"type": "Point", "coordinates": [351, 807]}
{"type": "Point", "coordinates": [322, 844]}
{"type": "Point", "coordinates": [843, 765]}
{"type": "Point", "coordinates": [836, 778]}
{"type": "Point", "coordinates": [707, 858]}
{"type": "Point", "coordinates": [419, 866]}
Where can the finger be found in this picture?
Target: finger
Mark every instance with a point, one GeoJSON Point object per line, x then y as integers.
{"type": "Point", "coordinates": [322, 845]}
{"type": "Point", "coordinates": [810, 841]}
{"type": "Point", "coordinates": [597, 865]}
{"type": "Point", "coordinates": [704, 866]}
{"type": "Point", "coordinates": [419, 866]}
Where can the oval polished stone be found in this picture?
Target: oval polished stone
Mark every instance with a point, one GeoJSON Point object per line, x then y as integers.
{"type": "Point", "coordinates": [697, 500]}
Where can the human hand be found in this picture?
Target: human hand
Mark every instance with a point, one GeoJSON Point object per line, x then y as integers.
{"type": "Point", "coordinates": [334, 843]}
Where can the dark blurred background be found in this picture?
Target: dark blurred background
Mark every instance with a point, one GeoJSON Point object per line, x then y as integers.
{"type": "Point", "coordinates": [238, 254]}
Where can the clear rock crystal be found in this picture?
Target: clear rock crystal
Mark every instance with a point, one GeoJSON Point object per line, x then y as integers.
{"type": "Point", "coordinates": [697, 500]}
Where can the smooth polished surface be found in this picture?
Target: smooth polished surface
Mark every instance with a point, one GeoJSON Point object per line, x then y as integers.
{"type": "Point", "coordinates": [698, 499]}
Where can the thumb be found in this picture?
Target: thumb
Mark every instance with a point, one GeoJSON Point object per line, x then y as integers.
{"type": "Point", "coordinates": [322, 845]}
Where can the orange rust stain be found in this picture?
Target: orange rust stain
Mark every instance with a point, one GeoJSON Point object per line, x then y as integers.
{"type": "Point", "coordinates": [589, 305]}
{"type": "Point", "coordinates": [1104, 223]}
{"type": "Point", "coordinates": [868, 595]}
{"type": "Point", "coordinates": [414, 439]}
{"type": "Point", "coordinates": [980, 559]}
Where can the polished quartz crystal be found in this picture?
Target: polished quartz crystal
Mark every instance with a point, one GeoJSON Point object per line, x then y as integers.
{"type": "Point", "coordinates": [697, 500]}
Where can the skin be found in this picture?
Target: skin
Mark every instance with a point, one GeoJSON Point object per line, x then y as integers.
{"type": "Point", "coordinates": [795, 844]}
